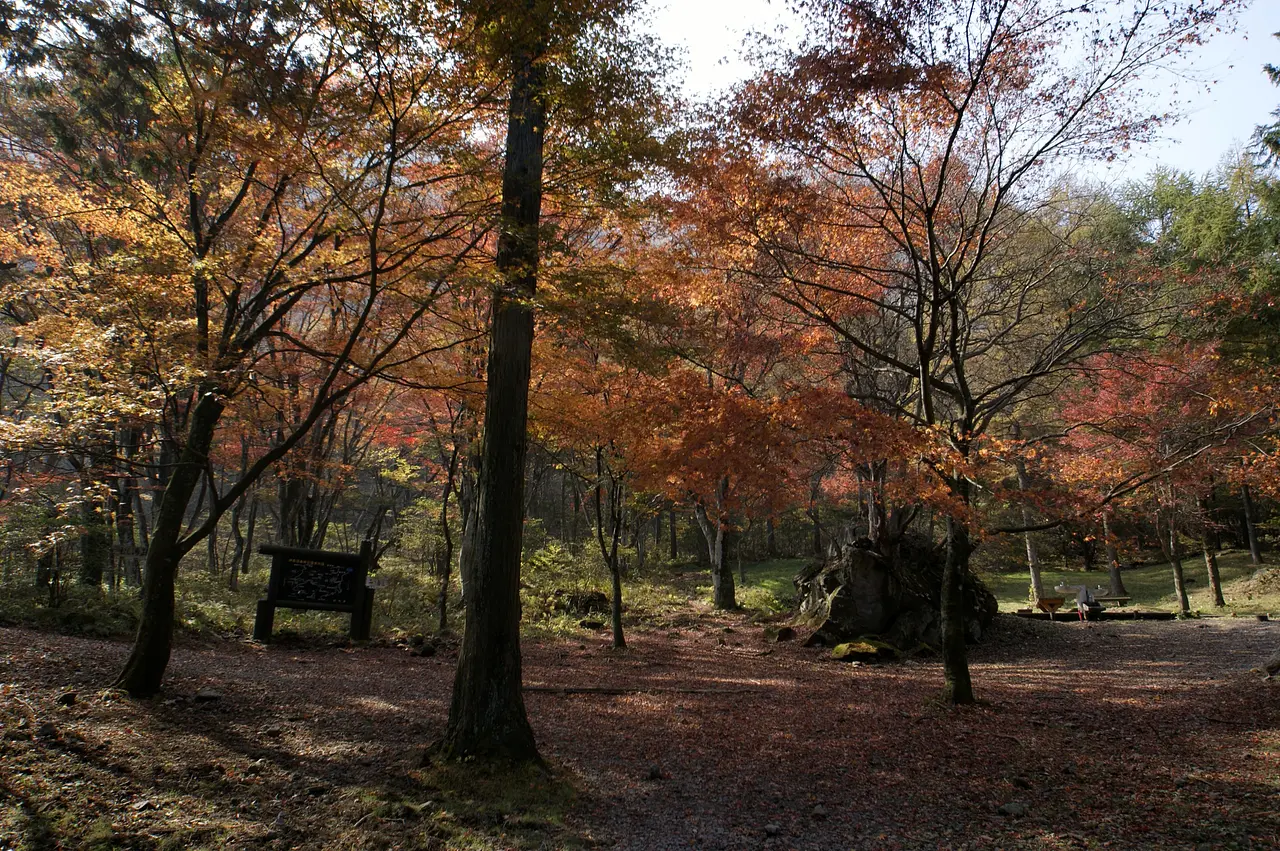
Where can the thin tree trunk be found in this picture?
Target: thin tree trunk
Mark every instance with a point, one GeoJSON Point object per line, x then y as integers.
{"type": "Point", "coordinates": [574, 528]}
{"type": "Point", "coordinates": [641, 544]}
{"type": "Point", "coordinates": [144, 670]}
{"type": "Point", "coordinates": [446, 559]}
{"type": "Point", "coordinates": [1210, 560]}
{"type": "Point", "coordinates": [1033, 555]}
{"type": "Point", "coordinates": [124, 518]}
{"type": "Point", "coordinates": [142, 515]}
{"type": "Point", "coordinates": [487, 716]}
{"type": "Point", "coordinates": [239, 555]}
{"type": "Point", "coordinates": [562, 526]}
{"type": "Point", "coordinates": [957, 684]}
{"type": "Point", "coordinates": [95, 540]}
{"type": "Point", "coordinates": [1173, 554]}
{"type": "Point", "coordinates": [735, 546]}
{"type": "Point", "coordinates": [237, 552]}
{"type": "Point", "coordinates": [675, 550]}
{"type": "Point", "coordinates": [1246, 499]}
{"type": "Point", "coordinates": [211, 546]}
{"type": "Point", "coordinates": [610, 552]}
{"type": "Point", "coordinates": [248, 535]}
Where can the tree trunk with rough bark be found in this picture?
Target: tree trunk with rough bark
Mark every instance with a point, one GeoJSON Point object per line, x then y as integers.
{"type": "Point", "coordinates": [1210, 559]}
{"type": "Point", "coordinates": [445, 558]}
{"type": "Point", "coordinates": [144, 670]}
{"type": "Point", "coordinates": [487, 716]}
{"type": "Point", "coordinates": [1251, 530]}
{"type": "Point", "coordinates": [1117, 588]}
{"type": "Point", "coordinates": [1173, 554]}
{"type": "Point", "coordinates": [713, 531]}
{"type": "Point", "coordinates": [957, 684]}
{"type": "Point", "coordinates": [609, 550]}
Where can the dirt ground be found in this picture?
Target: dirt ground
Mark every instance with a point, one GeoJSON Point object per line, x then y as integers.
{"type": "Point", "coordinates": [1116, 734]}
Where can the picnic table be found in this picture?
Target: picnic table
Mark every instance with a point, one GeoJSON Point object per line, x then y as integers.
{"type": "Point", "coordinates": [1050, 605]}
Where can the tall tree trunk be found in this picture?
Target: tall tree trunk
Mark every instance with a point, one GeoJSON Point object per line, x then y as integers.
{"type": "Point", "coordinates": [641, 544]}
{"type": "Point", "coordinates": [144, 670]}
{"type": "Point", "coordinates": [1033, 555]}
{"type": "Point", "coordinates": [957, 684]}
{"type": "Point", "coordinates": [713, 531]}
{"type": "Point", "coordinates": [124, 518]}
{"type": "Point", "coordinates": [562, 525]}
{"type": "Point", "coordinates": [469, 507]}
{"type": "Point", "coordinates": [211, 543]}
{"type": "Point", "coordinates": [575, 528]}
{"type": "Point", "coordinates": [237, 535]}
{"type": "Point", "coordinates": [1210, 560]}
{"type": "Point", "coordinates": [1117, 588]}
{"type": "Point", "coordinates": [233, 569]}
{"type": "Point", "coordinates": [142, 516]}
{"type": "Point", "coordinates": [95, 539]}
{"type": "Point", "coordinates": [815, 490]}
{"type": "Point", "coordinates": [734, 546]}
{"type": "Point", "coordinates": [770, 539]}
{"type": "Point", "coordinates": [1251, 529]}
{"type": "Point", "coordinates": [250, 526]}
{"type": "Point", "coordinates": [610, 552]}
{"type": "Point", "coordinates": [487, 716]}
{"type": "Point", "coordinates": [1173, 554]}
{"type": "Point", "coordinates": [675, 549]}
{"type": "Point", "coordinates": [445, 560]}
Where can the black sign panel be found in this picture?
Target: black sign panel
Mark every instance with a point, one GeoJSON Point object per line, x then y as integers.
{"type": "Point", "coordinates": [311, 580]}
{"type": "Point", "coordinates": [318, 579]}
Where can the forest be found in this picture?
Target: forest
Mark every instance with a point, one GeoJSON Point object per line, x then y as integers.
{"type": "Point", "coordinates": [835, 461]}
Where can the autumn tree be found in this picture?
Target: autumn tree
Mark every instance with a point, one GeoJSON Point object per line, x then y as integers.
{"type": "Point", "coordinates": [1155, 432]}
{"type": "Point", "coordinates": [580, 116]}
{"type": "Point", "coordinates": [297, 187]}
{"type": "Point", "coordinates": [907, 156]}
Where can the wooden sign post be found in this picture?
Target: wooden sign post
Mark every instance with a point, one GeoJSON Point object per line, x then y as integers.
{"type": "Point", "coordinates": [319, 580]}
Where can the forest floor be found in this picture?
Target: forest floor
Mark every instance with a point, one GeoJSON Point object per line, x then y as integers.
{"type": "Point", "coordinates": [1115, 734]}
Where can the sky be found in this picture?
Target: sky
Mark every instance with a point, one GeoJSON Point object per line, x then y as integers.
{"type": "Point", "coordinates": [1217, 117]}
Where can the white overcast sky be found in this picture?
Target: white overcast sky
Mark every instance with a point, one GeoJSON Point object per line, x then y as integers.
{"type": "Point", "coordinates": [711, 33]}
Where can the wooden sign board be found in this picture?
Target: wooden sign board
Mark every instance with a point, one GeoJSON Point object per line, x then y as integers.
{"type": "Point", "coordinates": [319, 580]}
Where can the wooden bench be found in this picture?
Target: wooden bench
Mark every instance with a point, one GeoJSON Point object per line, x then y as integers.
{"type": "Point", "coordinates": [1118, 600]}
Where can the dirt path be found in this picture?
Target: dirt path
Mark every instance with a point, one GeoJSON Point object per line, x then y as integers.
{"type": "Point", "coordinates": [1128, 735]}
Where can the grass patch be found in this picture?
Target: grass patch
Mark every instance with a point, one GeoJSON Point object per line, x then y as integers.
{"type": "Point", "coordinates": [1151, 585]}
{"type": "Point", "coordinates": [476, 806]}
{"type": "Point", "coordinates": [769, 588]}
{"type": "Point", "coordinates": [90, 612]}
{"type": "Point", "coordinates": [777, 576]}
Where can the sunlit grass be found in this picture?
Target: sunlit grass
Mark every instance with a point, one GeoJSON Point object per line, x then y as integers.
{"type": "Point", "coordinates": [477, 805]}
{"type": "Point", "coordinates": [1151, 585]}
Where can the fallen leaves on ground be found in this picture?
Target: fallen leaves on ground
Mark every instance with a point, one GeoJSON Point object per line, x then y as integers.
{"type": "Point", "coordinates": [1121, 735]}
